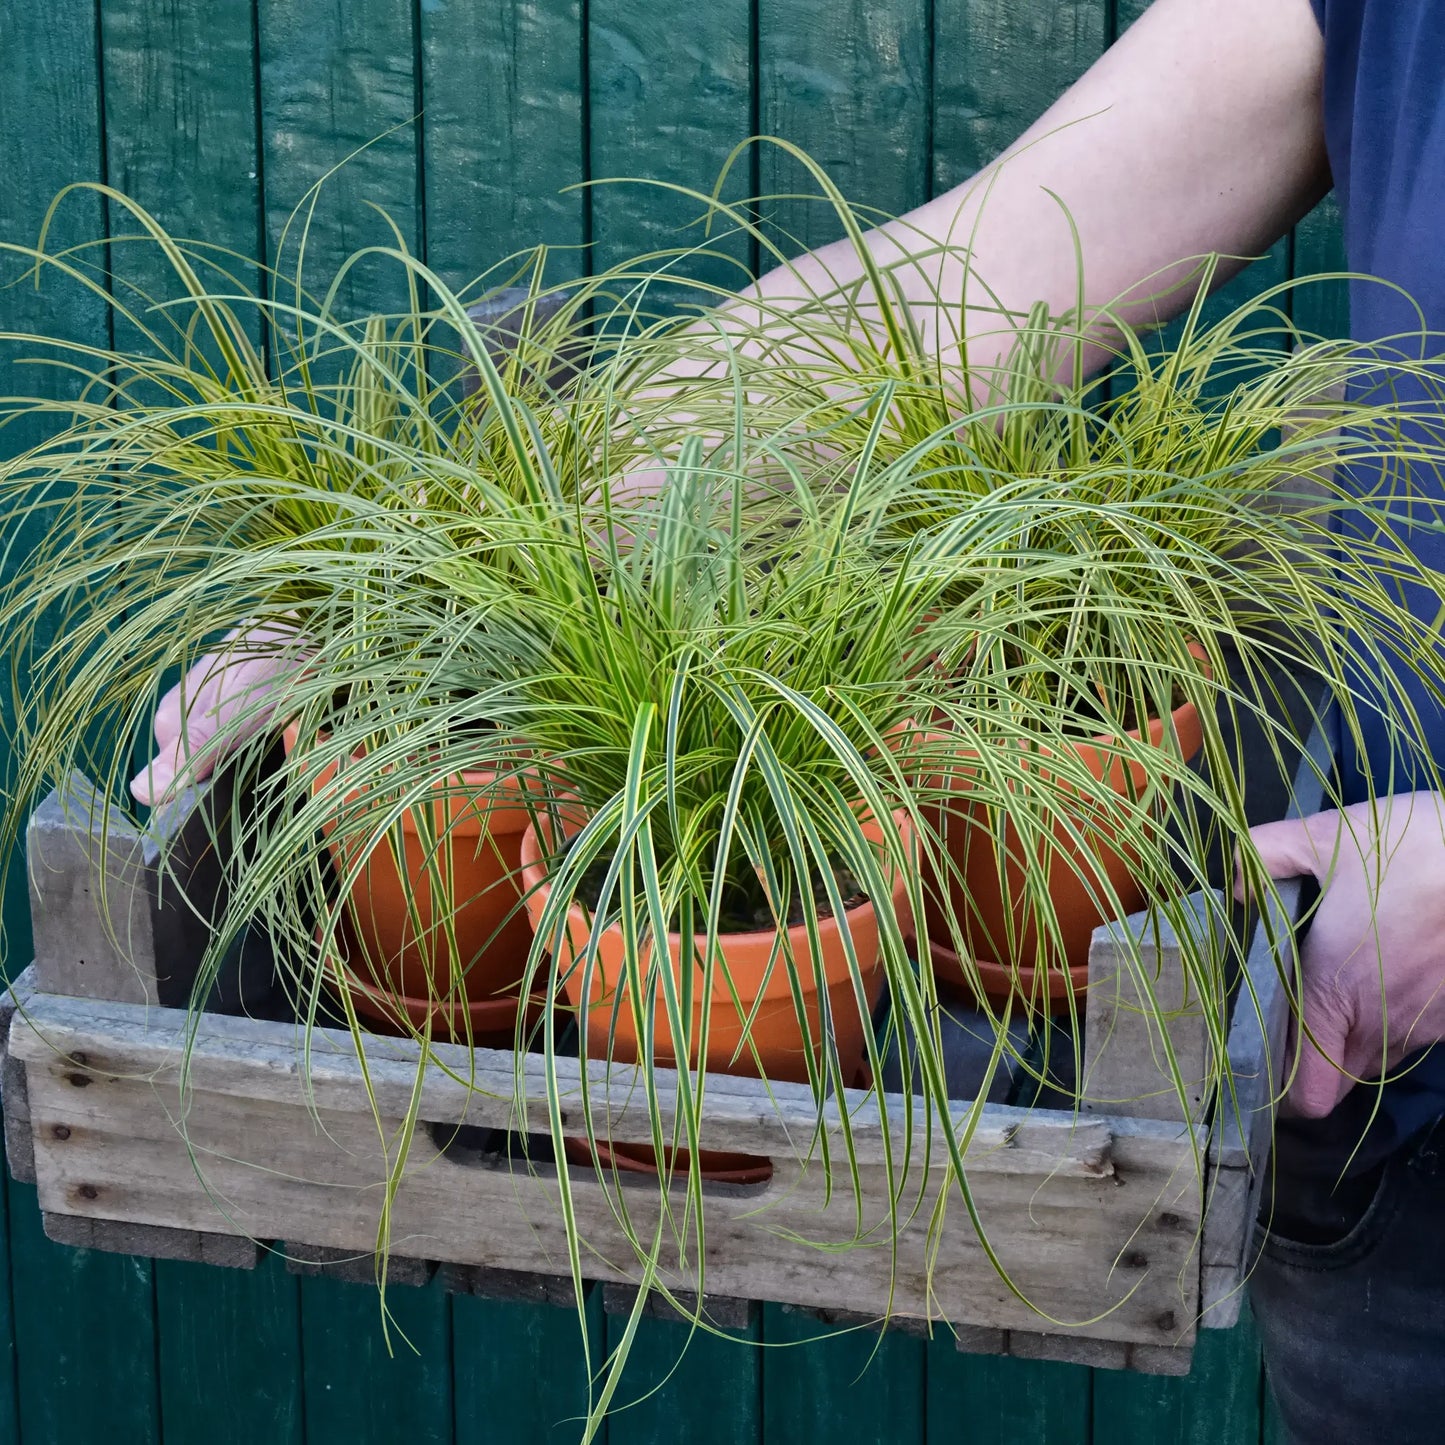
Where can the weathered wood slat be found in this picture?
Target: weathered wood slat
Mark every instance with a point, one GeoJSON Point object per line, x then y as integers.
{"type": "Point", "coordinates": [19, 1139]}
{"type": "Point", "coordinates": [718, 1311]}
{"type": "Point", "coordinates": [124, 913]}
{"type": "Point", "coordinates": [1069, 1350]}
{"type": "Point", "coordinates": [1243, 1129]}
{"type": "Point", "coordinates": [338, 89]}
{"type": "Point", "coordinates": [504, 138]}
{"type": "Point", "coordinates": [199, 175]}
{"type": "Point", "coordinates": [258, 1060]}
{"type": "Point", "coordinates": [113, 1236]}
{"type": "Point", "coordinates": [667, 103]}
{"type": "Point", "coordinates": [1074, 1241]}
{"type": "Point", "coordinates": [847, 80]}
{"type": "Point", "coordinates": [520, 1285]}
{"type": "Point", "coordinates": [90, 903]}
{"type": "Point", "coordinates": [313, 1261]}
{"type": "Point", "coordinates": [1139, 996]}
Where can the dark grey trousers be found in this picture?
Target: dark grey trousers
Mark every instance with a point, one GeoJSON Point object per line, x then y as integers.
{"type": "Point", "coordinates": [1349, 1293]}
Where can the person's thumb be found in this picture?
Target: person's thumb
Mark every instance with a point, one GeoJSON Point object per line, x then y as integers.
{"type": "Point", "coordinates": [158, 779]}
{"type": "Point", "coordinates": [1291, 847]}
{"type": "Point", "coordinates": [1318, 1083]}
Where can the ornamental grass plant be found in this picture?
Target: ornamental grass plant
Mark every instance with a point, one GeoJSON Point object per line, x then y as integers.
{"type": "Point", "coordinates": [758, 606]}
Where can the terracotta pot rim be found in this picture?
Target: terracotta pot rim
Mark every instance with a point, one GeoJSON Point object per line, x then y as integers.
{"type": "Point", "coordinates": [536, 880]}
{"type": "Point", "coordinates": [948, 957]}
{"type": "Point", "coordinates": [615, 1156]}
{"type": "Point", "coordinates": [475, 822]}
{"type": "Point", "coordinates": [448, 1011]}
{"type": "Point", "coordinates": [1156, 724]}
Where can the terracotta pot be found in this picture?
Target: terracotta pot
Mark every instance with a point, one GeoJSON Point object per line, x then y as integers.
{"type": "Point", "coordinates": [399, 959]}
{"type": "Point", "coordinates": [774, 1031]}
{"type": "Point", "coordinates": [716, 1166]}
{"type": "Point", "coordinates": [986, 900]}
{"type": "Point", "coordinates": [481, 1022]}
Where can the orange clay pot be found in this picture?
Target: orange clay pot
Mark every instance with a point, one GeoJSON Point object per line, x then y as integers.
{"type": "Point", "coordinates": [1000, 937]}
{"type": "Point", "coordinates": [773, 1033]}
{"type": "Point", "coordinates": [397, 960]}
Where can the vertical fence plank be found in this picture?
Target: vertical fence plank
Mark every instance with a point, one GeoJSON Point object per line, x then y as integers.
{"type": "Point", "coordinates": [855, 1386]}
{"type": "Point", "coordinates": [180, 134]}
{"type": "Point", "coordinates": [50, 132]}
{"type": "Point", "coordinates": [848, 81]}
{"type": "Point", "coordinates": [230, 1354]}
{"type": "Point", "coordinates": [518, 1370]}
{"type": "Point", "coordinates": [9, 1405]}
{"type": "Point", "coordinates": [1323, 308]}
{"type": "Point", "coordinates": [989, 1401]}
{"type": "Point", "coordinates": [1219, 1400]}
{"type": "Point", "coordinates": [998, 66]}
{"type": "Point", "coordinates": [502, 134]}
{"type": "Point", "coordinates": [86, 1346]}
{"type": "Point", "coordinates": [703, 1390]}
{"type": "Point", "coordinates": [67, 1319]}
{"type": "Point", "coordinates": [668, 98]}
{"type": "Point", "coordinates": [338, 85]}
{"type": "Point", "coordinates": [355, 1389]}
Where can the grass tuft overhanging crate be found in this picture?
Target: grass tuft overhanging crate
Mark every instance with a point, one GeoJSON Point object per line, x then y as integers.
{"type": "Point", "coordinates": [1120, 1247]}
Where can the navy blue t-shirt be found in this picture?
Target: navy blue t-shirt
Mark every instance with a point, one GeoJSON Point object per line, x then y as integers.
{"type": "Point", "coordinates": [1384, 118]}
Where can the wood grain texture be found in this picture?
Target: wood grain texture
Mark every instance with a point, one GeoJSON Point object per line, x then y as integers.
{"type": "Point", "coordinates": [994, 1401]}
{"type": "Point", "coordinates": [86, 1317]}
{"type": "Point", "coordinates": [503, 134]}
{"type": "Point", "coordinates": [90, 898]}
{"type": "Point", "coordinates": [1140, 998]}
{"type": "Point", "coordinates": [1321, 308]}
{"type": "Point", "coordinates": [1243, 1130]}
{"type": "Point", "coordinates": [518, 1370]}
{"type": "Point", "coordinates": [688, 1386]}
{"type": "Point", "coordinates": [230, 1356]}
{"type": "Point", "coordinates": [50, 131]}
{"type": "Point", "coordinates": [50, 136]}
{"type": "Point", "coordinates": [118, 1236]}
{"type": "Point", "coordinates": [718, 1311]}
{"type": "Point", "coordinates": [338, 86]}
{"type": "Point", "coordinates": [847, 80]}
{"type": "Point", "coordinates": [1076, 1238]}
{"type": "Point", "coordinates": [1218, 1401]}
{"type": "Point", "coordinates": [181, 139]}
{"type": "Point", "coordinates": [667, 102]}
{"type": "Point", "coordinates": [822, 1384]}
{"type": "Point", "coordinates": [254, 1061]}
{"type": "Point", "coordinates": [14, 1095]}
{"type": "Point", "coordinates": [360, 1384]}
{"type": "Point", "coordinates": [998, 66]}
{"type": "Point", "coordinates": [312, 1261]}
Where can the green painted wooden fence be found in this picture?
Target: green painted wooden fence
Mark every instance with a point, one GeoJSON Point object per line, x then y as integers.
{"type": "Point", "coordinates": [218, 115]}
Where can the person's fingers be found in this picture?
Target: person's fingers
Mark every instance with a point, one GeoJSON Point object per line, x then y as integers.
{"type": "Point", "coordinates": [1293, 846]}
{"type": "Point", "coordinates": [167, 722]}
{"type": "Point", "coordinates": [173, 761]}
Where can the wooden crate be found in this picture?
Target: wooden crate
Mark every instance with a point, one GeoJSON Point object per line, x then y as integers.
{"type": "Point", "coordinates": [1118, 1246]}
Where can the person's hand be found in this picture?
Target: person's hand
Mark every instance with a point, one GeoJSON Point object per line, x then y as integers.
{"type": "Point", "coordinates": [220, 703]}
{"type": "Point", "coordinates": [1373, 964]}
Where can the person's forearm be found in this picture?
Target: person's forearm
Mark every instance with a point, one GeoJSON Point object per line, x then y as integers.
{"type": "Point", "coordinates": [1200, 131]}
